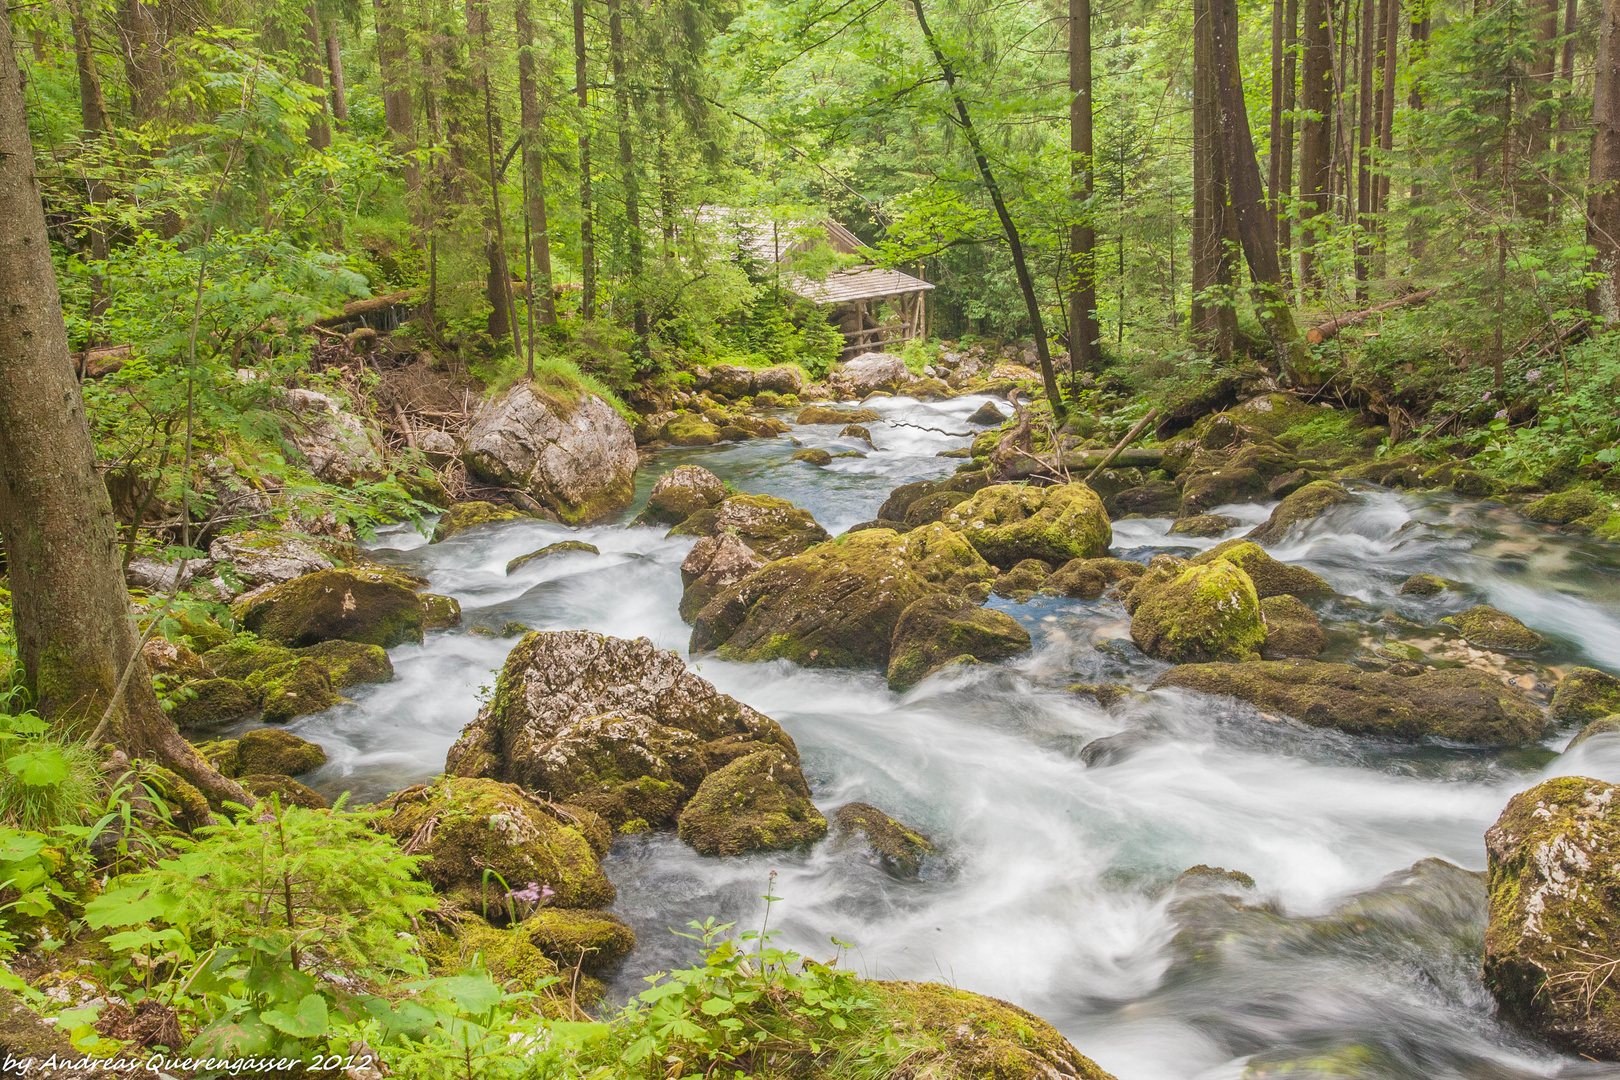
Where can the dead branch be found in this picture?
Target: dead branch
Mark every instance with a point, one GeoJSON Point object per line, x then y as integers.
{"type": "Point", "coordinates": [1327, 331]}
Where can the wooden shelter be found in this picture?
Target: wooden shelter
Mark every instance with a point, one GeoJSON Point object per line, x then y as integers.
{"type": "Point", "coordinates": [874, 308]}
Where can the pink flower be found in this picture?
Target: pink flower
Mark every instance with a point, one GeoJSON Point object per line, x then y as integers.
{"type": "Point", "coordinates": [1501, 414]}
{"type": "Point", "coordinates": [1487, 396]}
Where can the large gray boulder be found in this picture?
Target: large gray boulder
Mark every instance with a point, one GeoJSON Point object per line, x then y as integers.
{"type": "Point", "coordinates": [872, 372]}
{"type": "Point", "coordinates": [268, 557]}
{"type": "Point", "coordinates": [338, 446]}
{"type": "Point", "coordinates": [576, 459]}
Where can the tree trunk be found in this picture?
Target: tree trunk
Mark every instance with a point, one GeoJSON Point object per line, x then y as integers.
{"type": "Point", "coordinates": [1083, 329]}
{"type": "Point", "coordinates": [534, 166]}
{"type": "Point", "coordinates": [1026, 284]}
{"type": "Point", "coordinates": [587, 239]}
{"type": "Point", "coordinates": [1256, 227]}
{"type": "Point", "coordinates": [1285, 226]}
{"type": "Point", "coordinates": [1214, 319]}
{"type": "Point", "coordinates": [498, 281]}
{"type": "Point", "coordinates": [1416, 244]}
{"type": "Point", "coordinates": [95, 123]}
{"type": "Point", "coordinates": [1566, 72]}
{"type": "Point", "coordinates": [1315, 146]}
{"type": "Point", "coordinates": [1603, 204]}
{"type": "Point", "coordinates": [142, 43]}
{"type": "Point", "coordinates": [320, 133]}
{"type": "Point", "coordinates": [394, 69]}
{"type": "Point", "coordinates": [1364, 141]}
{"type": "Point", "coordinates": [630, 182]}
{"type": "Point", "coordinates": [334, 70]}
{"type": "Point", "coordinates": [1274, 131]}
{"type": "Point", "coordinates": [75, 634]}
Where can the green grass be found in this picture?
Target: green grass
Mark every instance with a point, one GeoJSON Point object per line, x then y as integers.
{"type": "Point", "coordinates": [558, 380]}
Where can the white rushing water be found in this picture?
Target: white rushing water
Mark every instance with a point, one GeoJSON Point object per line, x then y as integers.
{"type": "Point", "coordinates": [1352, 956]}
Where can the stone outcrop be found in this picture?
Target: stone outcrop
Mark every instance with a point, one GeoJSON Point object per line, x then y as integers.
{"type": "Point", "coordinates": [1207, 612]}
{"type": "Point", "coordinates": [373, 607]}
{"type": "Point", "coordinates": [1585, 694]}
{"type": "Point", "coordinates": [1008, 523]}
{"type": "Point", "coordinates": [261, 557]}
{"type": "Point", "coordinates": [1270, 577]}
{"type": "Point", "coordinates": [470, 515]}
{"type": "Point", "coordinates": [1292, 629]}
{"type": "Point", "coordinates": [714, 564]}
{"type": "Point", "coordinates": [337, 446]}
{"type": "Point", "coordinates": [757, 803]}
{"type": "Point", "coordinates": [561, 547]}
{"type": "Point", "coordinates": [1461, 704]}
{"type": "Point", "coordinates": [772, 527]}
{"type": "Point", "coordinates": [1553, 939]}
{"type": "Point", "coordinates": [941, 629]}
{"type": "Point", "coordinates": [576, 459]}
{"type": "Point", "coordinates": [1306, 503]}
{"type": "Point", "coordinates": [1089, 579]}
{"type": "Point", "coordinates": [870, 373]}
{"type": "Point", "coordinates": [680, 493]}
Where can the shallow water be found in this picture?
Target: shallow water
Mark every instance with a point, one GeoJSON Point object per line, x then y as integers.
{"type": "Point", "coordinates": [1350, 957]}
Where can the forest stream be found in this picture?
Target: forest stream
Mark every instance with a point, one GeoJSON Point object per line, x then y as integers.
{"type": "Point", "coordinates": [1358, 946]}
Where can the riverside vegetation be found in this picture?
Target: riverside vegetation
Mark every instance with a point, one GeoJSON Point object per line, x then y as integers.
{"type": "Point", "coordinates": [281, 283]}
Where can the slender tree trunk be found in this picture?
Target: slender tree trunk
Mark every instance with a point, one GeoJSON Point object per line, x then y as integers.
{"type": "Point", "coordinates": [534, 165]}
{"type": "Point", "coordinates": [1603, 204]}
{"type": "Point", "coordinates": [1285, 226]}
{"type": "Point", "coordinates": [1364, 142]}
{"type": "Point", "coordinates": [95, 123]}
{"type": "Point", "coordinates": [394, 69]}
{"type": "Point", "coordinates": [1537, 123]}
{"type": "Point", "coordinates": [1256, 227]}
{"type": "Point", "coordinates": [334, 71]}
{"type": "Point", "coordinates": [1026, 284]}
{"type": "Point", "coordinates": [1389, 28]}
{"type": "Point", "coordinates": [142, 43]}
{"type": "Point", "coordinates": [1274, 136]}
{"type": "Point", "coordinates": [630, 182]}
{"type": "Point", "coordinates": [666, 181]}
{"type": "Point", "coordinates": [1083, 329]}
{"type": "Point", "coordinates": [587, 228]}
{"type": "Point", "coordinates": [498, 280]}
{"type": "Point", "coordinates": [1214, 319]}
{"type": "Point", "coordinates": [1566, 72]}
{"type": "Point", "coordinates": [1416, 244]}
{"type": "Point", "coordinates": [1315, 147]}
{"type": "Point", "coordinates": [75, 633]}
{"type": "Point", "coordinates": [320, 133]}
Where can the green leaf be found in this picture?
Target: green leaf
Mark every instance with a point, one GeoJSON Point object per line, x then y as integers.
{"type": "Point", "coordinates": [578, 1033]}
{"type": "Point", "coordinates": [309, 1021]}
{"type": "Point", "coordinates": [716, 1006]}
{"type": "Point", "coordinates": [39, 768]}
{"type": "Point", "coordinates": [233, 1037]}
{"type": "Point", "coordinates": [125, 907]}
{"type": "Point", "coordinates": [473, 993]}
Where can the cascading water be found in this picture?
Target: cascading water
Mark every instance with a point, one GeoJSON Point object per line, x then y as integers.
{"type": "Point", "coordinates": [1357, 952]}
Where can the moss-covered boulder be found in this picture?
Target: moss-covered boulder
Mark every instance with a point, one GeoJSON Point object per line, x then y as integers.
{"type": "Point", "coordinates": [813, 455]}
{"type": "Point", "coordinates": [293, 689]}
{"type": "Point", "coordinates": [1306, 503]}
{"type": "Point", "coordinates": [368, 606]}
{"type": "Point", "coordinates": [592, 941]}
{"type": "Point", "coordinates": [1270, 577]}
{"type": "Point", "coordinates": [931, 508]}
{"type": "Point", "coordinates": [208, 701]}
{"type": "Point", "coordinates": [773, 527]}
{"type": "Point", "coordinates": [1424, 585]}
{"type": "Point", "coordinates": [473, 833]}
{"type": "Point", "coordinates": [350, 663]}
{"type": "Point", "coordinates": [470, 515]}
{"type": "Point", "coordinates": [1461, 704]}
{"type": "Point", "coordinates": [1088, 579]}
{"type": "Point", "coordinates": [1292, 629]}
{"type": "Point", "coordinates": [1209, 612]}
{"type": "Point", "coordinates": [1162, 570]}
{"type": "Point", "coordinates": [617, 727]}
{"type": "Point", "coordinates": [1603, 725]}
{"type": "Point", "coordinates": [965, 1036]}
{"type": "Point", "coordinates": [439, 612]}
{"type": "Point", "coordinates": [837, 604]}
{"type": "Point", "coordinates": [1583, 695]}
{"type": "Point", "coordinates": [940, 628]}
{"type": "Point", "coordinates": [1155, 498]}
{"type": "Point", "coordinates": [823, 414]}
{"type": "Point", "coordinates": [1564, 507]}
{"type": "Point", "coordinates": [1008, 523]}
{"type": "Point", "coordinates": [265, 786]}
{"type": "Point", "coordinates": [508, 954]}
{"type": "Point", "coordinates": [276, 752]}
{"type": "Point", "coordinates": [561, 547]}
{"type": "Point", "coordinates": [988, 414]}
{"type": "Point", "coordinates": [680, 493]}
{"type": "Point", "coordinates": [898, 848]}
{"type": "Point", "coordinates": [1489, 628]}
{"type": "Point", "coordinates": [757, 803]}
{"type": "Point", "coordinates": [691, 429]}
{"type": "Point", "coordinates": [714, 564]}
{"type": "Point", "coordinates": [1553, 871]}
{"type": "Point", "coordinates": [1023, 579]}
{"type": "Point", "coordinates": [1204, 489]}
{"type": "Point", "coordinates": [1204, 525]}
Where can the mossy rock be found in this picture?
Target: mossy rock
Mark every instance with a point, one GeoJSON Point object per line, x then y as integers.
{"type": "Point", "coordinates": [1008, 523]}
{"type": "Point", "coordinates": [1159, 573]}
{"type": "Point", "coordinates": [714, 564]}
{"type": "Point", "coordinates": [1292, 629]}
{"type": "Point", "coordinates": [1204, 525]}
{"type": "Point", "coordinates": [272, 751]}
{"type": "Point", "coordinates": [591, 940]}
{"type": "Point", "coordinates": [1585, 694]}
{"type": "Point", "coordinates": [508, 954]}
{"type": "Point", "coordinates": [898, 848]}
{"type": "Point", "coordinates": [221, 754]}
{"type": "Point", "coordinates": [688, 429]}
{"type": "Point", "coordinates": [822, 414]}
{"type": "Point", "coordinates": [1565, 507]}
{"type": "Point", "coordinates": [931, 508]}
{"type": "Point", "coordinates": [837, 604]}
{"type": "Point", "coordinates": [757, 803]}
{"type": "Point", "coordinates": [856, 431]}
{"type": "Point", "coordinates": [1209, 612]}
{"type": "Point", "coordinates": [1604, 725]}
{"type": "Point", "coordinates": [1270, 577]}
{"type": "Point", "coordinates": [811, 455]}
{"type": "Point", "coordinates": [1553, 875]}
{"type": "Point", "coordinates": [1489, 628]}
{"type": "Point", "coordinates": [773, 527]}
{"type": "Point", "coordinates": [1306, 503]}
{"type": "Point", "coordinates": [25, 1036]}
{"type": "Point", "coordinates": [296, 688]}
{"type": "Point", "coordinates": [465, 826]}
{"type": "Point", "coordinates": [966, 1036]}
{"type": "Point", "coordinates": [1424, 585]}
{"type": "Point", "coordinates": [467, 515]}
{"type": "Point", "coordinates": [368, 606]}
{"type": "Point", "coordinates": [351, 663]}
{"type": "Point", "coordinates": [1023, 579]}
{"type": "Point", "coordinates": [164, 657]}
{"type": "Point", "coordinates": [265, 786]}
{"type": "Point", "coordinates": [940, 628]}
{"type": "Point", "coordinates": [1462, 704]}
{"type": "Point", "coordinates": [1088, 579]}
{"type": "Point", "coordinates": [680, 493]}
{"type": "Point", "coordinates": [1156, 498]}
{"type": "Point", "coordinates": [989, 414]}
{"type": "Point", "coordinates": [439, 612]}
{"type": "Point", "coordinates": [208, 701]}
{"type": "Point", "coordinates": [1205, 489]}
{"type": "Point", "coordinates": [559, 548]}
{"type": "Point", "coordinates": [241, 657]}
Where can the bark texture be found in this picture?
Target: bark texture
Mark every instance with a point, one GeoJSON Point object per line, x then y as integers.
{"type": "Point", "coordinates": [1603, 205]}
{"type": "Point", "coordinates": [1084, 352]}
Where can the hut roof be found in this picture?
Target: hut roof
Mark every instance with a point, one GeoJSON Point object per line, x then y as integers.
{"type": "Point", "coordinates": [776, 242]}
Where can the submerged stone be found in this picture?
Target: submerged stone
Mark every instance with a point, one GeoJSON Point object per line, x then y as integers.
{"type": "Point", "coordinates": [757, 803]}
{"type": "Point", "coordinates": [559, 548]}
{"type": "Point", "coordinates": [939, 629]}
{"type": "Point", "coordinates": [1489, 628]}
{"type": "Point", "coordinates": [898, 848]}
{"type": "Point", "coordinates": [1306, 503]}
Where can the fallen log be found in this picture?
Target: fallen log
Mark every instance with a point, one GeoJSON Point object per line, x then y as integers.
{"type": "Point", "coordinates": [1130, 437]}
{"type": "Point", "coordinates": [1075, 460]}
{"type": "Point", "coordinates": [1327, 331]}
{"type": "Point", "coordinates": [359, 309]}
{"type": "Point", "coordinates": [94, 363]}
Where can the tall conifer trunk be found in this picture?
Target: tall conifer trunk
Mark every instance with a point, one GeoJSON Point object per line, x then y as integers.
{"type": "Point", "coordinates": [1214, 319]}
{"type": "Point", "coordinates": [1603, 204]}
{"type": "Point", "coordinates": [629, 182]}
{"type": "Point", "coordinates": [394, 69]}
{"type": "Point", "coordinates": [1083, 329]}
{"type": "Point", "coordinates": [1315, 148]}
{"type": "Point", "coordinates": [587, 227]}
{"type": "Point", "coordinates": [534, 165]}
